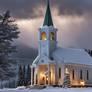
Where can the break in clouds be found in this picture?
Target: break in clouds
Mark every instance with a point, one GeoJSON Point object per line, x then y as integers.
{"type": "Point", "coordinates": [73, 18]}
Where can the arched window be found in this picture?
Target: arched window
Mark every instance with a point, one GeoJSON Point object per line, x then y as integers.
{"type": "Point", "coordinates": [87, 75]}
{"type": "Point", "coordinates": [52, 36]}
{"type": "Point", "coordinates": [43, 36]}
{"type": "Point", "coordinates": [59, 72]}
{"type": "Point", "coordinates": [73, 74]}
{"type": "Point", "coordinates": [81, 74]}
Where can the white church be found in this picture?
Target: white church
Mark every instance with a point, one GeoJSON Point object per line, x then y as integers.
{"type": "Point", "coordinates": [53, 62]}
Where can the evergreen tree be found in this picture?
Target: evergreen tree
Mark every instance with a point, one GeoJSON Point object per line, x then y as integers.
{"type": "Point", "coordinates": [8, 32]}
{"type": "Point", "coordinates": [66, 81]}
{"type": "Point", "coordinates": [28, 75]}
{"type": "Point", "coordinates": [24, 76]}
{"type": "Point", "coordinates": [91, 52]}
{"type": "Point", "coordinates": [20, 76]}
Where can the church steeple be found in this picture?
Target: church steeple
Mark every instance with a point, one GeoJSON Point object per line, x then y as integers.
{"type": "Point", "coordinates": [48, 18]}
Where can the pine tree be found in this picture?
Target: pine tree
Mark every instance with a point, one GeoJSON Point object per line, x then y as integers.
{"type": "Point", "coordinates": [66, 81]}
{"type": "Point", "coordinates": [20, 76]}
{"type": "Point", "coordinates": [24, 79]}
{"type": "Point", "coordinates": [28, 75]}
{"type": "Point", "coordinates": [8, 32]}
{"type": "Point", "coordinates": [90, 52]}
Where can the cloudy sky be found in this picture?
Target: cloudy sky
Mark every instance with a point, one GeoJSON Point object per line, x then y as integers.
{"type": "Point", "coordinates": [73, 18]}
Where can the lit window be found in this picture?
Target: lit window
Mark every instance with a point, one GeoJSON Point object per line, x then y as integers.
{"type": "Point", "coordinates": [66, 71]}
{"type": "Point", "coordinates": [51, 36]}
{"type": "Point", "coordinates": [43, 36]}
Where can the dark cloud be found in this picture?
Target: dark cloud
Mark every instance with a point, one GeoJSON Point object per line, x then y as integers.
{"type": "Point", "coordinates": [25, 8]}
{"type": "Point", "coordinates": [21, 8]}
{"type": "Point", "coordinates": [73, 32]}
{"type": "Point", "coordinates": [73, 7]}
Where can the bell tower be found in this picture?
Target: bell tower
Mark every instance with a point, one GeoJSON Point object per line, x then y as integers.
{"type": "Point", "coordinates": [48, 35]}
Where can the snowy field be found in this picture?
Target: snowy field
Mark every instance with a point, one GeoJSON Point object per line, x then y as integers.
{"type": "Point", "coordinates": [49, 90]}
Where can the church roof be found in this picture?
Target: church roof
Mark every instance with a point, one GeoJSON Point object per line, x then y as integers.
{"type": "Point", "coordinates": [48, 18]}
{"type": "Point", "coordinates": [69, 55]}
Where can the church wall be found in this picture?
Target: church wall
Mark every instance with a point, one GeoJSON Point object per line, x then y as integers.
{"type": "Point", "coordinates": [46, 47]}
{"type": "Point", "coordinates": [77, 68]}
{"type": "Point", "coordinates": [55, 71]}
{"type": "Point", "coordinates": [60, 80]}
{"type": "Point", "coordinates": [54, 74]}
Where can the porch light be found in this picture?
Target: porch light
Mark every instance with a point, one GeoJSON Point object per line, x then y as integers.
{"type": "Point", "coordinates": [82, 83]}
{"type": "Point", "coordinates": [66, 71]}
{"type": "Point", "coordinates": [47, 79]}
{"type": "Point", "coordinates": [42, 75]}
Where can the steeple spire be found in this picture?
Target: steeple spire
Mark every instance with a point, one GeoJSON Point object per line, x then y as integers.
{"type": "Point", "coordinates": [48, 18]}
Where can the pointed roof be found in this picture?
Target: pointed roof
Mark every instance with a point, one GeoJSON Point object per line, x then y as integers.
{"type": "Point", "coordinates": [48, 18]}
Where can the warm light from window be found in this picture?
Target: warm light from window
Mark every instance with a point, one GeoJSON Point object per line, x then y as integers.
{"type": "Point", "coordinates": [42, 75]}
{"type": "Point", "coordinates": [82, 83]}
{"type": "Point", "coordinates": [43, 36]}
{"type": "Point", "coordinates": [51, 36]}
{"type": "Point", "coordinates": [47, 78]}
{"type": "Point", "coordinates": [66, 71]}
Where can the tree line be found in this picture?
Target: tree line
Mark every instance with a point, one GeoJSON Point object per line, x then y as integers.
{"type": "Point", "coordinates": [24, 76]}
{"type": "Point", "coordinates": [89, 52]}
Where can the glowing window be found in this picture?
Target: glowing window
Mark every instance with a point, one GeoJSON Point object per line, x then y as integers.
{"type": "Point", "coordinates": [51, 36]}
{"type": "Point", "coordinates": [66, 71]}
{"type": "Point", "coordinates": [43, 36]}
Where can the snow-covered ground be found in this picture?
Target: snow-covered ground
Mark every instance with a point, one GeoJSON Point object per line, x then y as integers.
{"type": "Point", "coordinates": [48, 90]}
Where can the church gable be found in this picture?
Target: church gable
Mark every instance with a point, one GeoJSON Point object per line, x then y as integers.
{"type": "Point", "coordinates": [43, 60]}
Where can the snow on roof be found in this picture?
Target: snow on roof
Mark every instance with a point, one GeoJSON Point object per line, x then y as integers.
{"type": "Point", "coordinates": [69, 55]}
